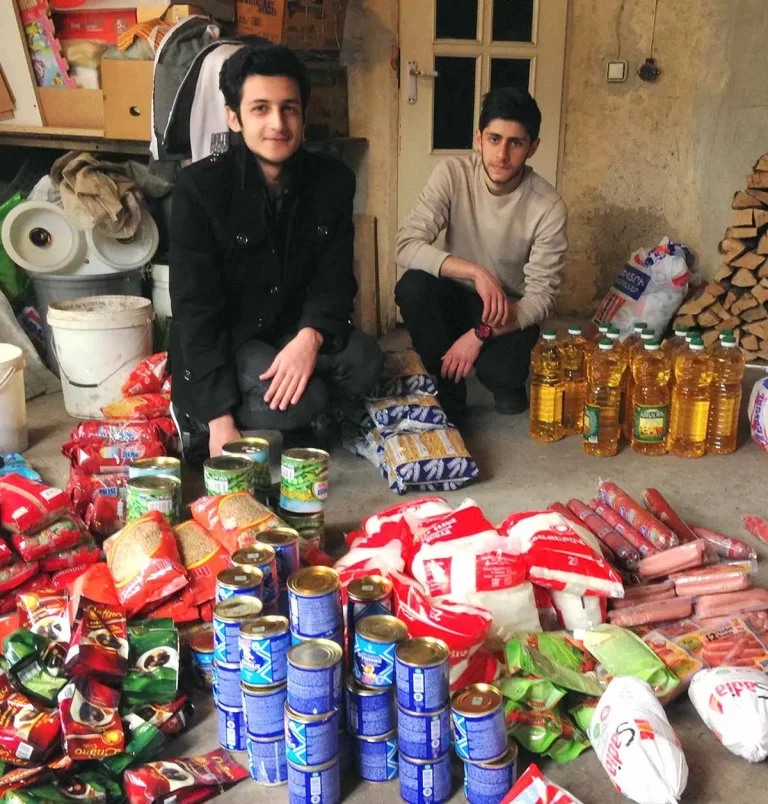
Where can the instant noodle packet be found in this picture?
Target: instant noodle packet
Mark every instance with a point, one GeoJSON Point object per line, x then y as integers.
{"type": "Point", "coordinates": [147, 377]}
{"type": "Point", "coordinates": [90, 723]}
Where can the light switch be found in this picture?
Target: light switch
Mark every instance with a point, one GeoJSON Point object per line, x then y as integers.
{"type": "Point", "coordinates": [617, 71]}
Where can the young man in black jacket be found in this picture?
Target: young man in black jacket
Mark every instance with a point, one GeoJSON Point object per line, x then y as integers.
{"type": "Point", "coordinates": [262, 287]}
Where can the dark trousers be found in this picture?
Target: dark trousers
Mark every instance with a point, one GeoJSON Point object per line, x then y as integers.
{"type": "Point", "coordinates": [438, 311]}
{"type": "Point", "coordinates": [344, 376]}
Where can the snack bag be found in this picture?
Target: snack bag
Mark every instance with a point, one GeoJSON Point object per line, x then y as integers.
{"type": "Point", "coordinates": [533, 787]}
{"type": "Point", "coordinates": [636, 745]}
{"type": "Point", "coordinates": [34, 665]}
{"type": "Point", "coordinates": [404, 374]}
{"type": "Point", "coordinates": [170, 719]}
{"type": "Point", "coordinates": [234, 520]}
{"type": "Point", "coordinates": [90, 723]}
{"type": "Point", "coordinates": [145, 563]}
{"type": "Point", "coordinates": [203, 557]}
{"type": "Point", "coordinates": [105, 515]}
{"type": "Point", "coordinates": [87, 552]}
{"type": "Point", "coordinates": [38, 583]}
{"type": "Point", "coordinates": [153, 662]}
{"type": "Point", "coordinates": [527, 661]}
{"type": "Point", "coordinates": [733, 703]}
{"type": "Point", "coordinates": [143, 742]}
{"type": "Point", "coordinates": [66, 532]}
{"type": "Point", "coordinates": [146, 406]}
{"type": "Point", "coordinates": [89, 785]}
{"type": "Point", "coordinates": [6, 554]}
{"type": "Point", "coordinates": [147, 377]}
{"type": "Point", "coordinates": [27, 733]}
{"type": "Point", "coordinates": [27, 506]}
{"type": "Point", "coordinates": [100, 433]}
{"type": "Point", "coordinates": [83, 488]}
{"type": "Point", "coordinates": [407, 413]}
{"type": "Point", "coordinates": [15, 574]}
{"type": "Point", "coordinates": [46, 614]}
{"type": "Point", "coordinates": [95, 459]}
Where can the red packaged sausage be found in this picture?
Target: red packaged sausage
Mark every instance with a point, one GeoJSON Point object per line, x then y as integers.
{"type": "Point", "coordinates": [625, 553]}
{"type": "Point", "coordinates": [147, 377]}
{"type": "Point", "coordinates": [62, 534]}
{"type": "Point", "coordinates": [687, 556]}
{"type": "Point", "coordinates": [660, 508]}
{"type": "Point", "coordinates": [90, 723]}
{"type": "Point", "coordinates": [658, 534]}
{"type": "Point", "coordinates": [27, 506]}
{"type": "Point", "coordinates": [146, 406]}
{"type": "Point", "coordinates": [633, 536]}
{"type": "Point", "coordinates": [725, 546]}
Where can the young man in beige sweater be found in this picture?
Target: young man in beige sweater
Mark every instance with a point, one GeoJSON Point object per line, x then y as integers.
{"type": "Point", "coordinates": [478, 302]}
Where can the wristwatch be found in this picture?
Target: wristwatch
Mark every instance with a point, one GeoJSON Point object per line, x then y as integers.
{"type": "Point", "coordinates": [483, 332]}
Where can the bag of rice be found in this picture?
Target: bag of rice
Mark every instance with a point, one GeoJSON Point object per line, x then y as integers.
{"type": "Point", "coordinates": [407, 413]}
{"type": "Point", "coordinates": [145, 563]}
{"type": "Point", "coordinates": [87, 552]}
{"type": "Point", "coordinates": [27, 733]}
{"type": "Point", "coordinates": [27, 506]}
{"type": "Point", "coordinates": [66, 532]}
{"type": "Point", "coordinates": [6, 554]}
{"type": "Point", "coordinates": [90, 723]}
{"type": "Point", "coordinates": [234, 520]}
{"type": "Point", "coordinates": [203, 557]}
{"type": "Point", "coordinates": [147, 377]}
{"type": "Point", "coordinates": [146, 406]}
{"type": "Point", "coordinates": [404, 374]}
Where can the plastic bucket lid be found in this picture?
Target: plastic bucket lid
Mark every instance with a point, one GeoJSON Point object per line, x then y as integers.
{"type": "Point", "coordinates": [123, 255]}
{"type": "Point", "coordinates": [11, 356]}
{"type": "Point", "coordinates": [100, 312]}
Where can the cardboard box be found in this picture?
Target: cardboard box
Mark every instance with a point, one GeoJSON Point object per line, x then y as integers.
{"type": "Point", "coordinates": [71, 108]}
{"type": "Point", "coordinates": [328, 110]}
{"type": "Point", "coordinates": [223, 10]}
{"type": "Point", "coordinates": [127, 88]}
{"type": "Point", "coordinates": [300, 24]}
{"type": "Point", "coordinates": [94, 26]}
{"type": "Point", "coordinates": [7, 101]}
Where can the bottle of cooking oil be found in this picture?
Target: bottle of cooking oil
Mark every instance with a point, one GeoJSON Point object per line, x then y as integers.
{"type": "Point", "coordinates": [575, 372]}
{"type": "Point", "coordinates": [547, 387]}
{"type": "Point", "coordinates": [650, 399]}
{"type": "Point", "coordinates": [725, 397]}
{"type": "Point", "coordinates": [690, 401]}
{"type": "Point", "coordinates": [634, 346]}
{"type": "Point", "coordinates": [677, 341]}
{"type": "Point", "coordinates": [601, 411]}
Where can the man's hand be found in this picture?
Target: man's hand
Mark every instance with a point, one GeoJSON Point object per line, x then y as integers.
{"type": "Point", "coordinates": [292, 369]}
{"type": "Point", "coordinates": [495, 304]}
{"type": "Point", "coordinates": [459, 359]}
{"type": "Point", "coordinates": [222, 431]}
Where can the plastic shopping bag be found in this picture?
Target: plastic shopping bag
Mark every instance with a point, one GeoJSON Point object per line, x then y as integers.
{"type": "Point", "coordinates": [758, 413]}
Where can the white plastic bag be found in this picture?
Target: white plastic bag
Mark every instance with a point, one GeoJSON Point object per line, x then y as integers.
{"type": "Point", "coordinates": [636, 745]}
{"type": "Point", "coordinates": [758, 413]}
{"type": "Point", "coordinates": [733, 703]}
{"type": "Point", "coordinates": [578, 612]}
{"type": "Point", "coordinates": [649, 288]}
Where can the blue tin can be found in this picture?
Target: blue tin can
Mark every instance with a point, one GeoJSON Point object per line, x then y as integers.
{"type": "Point", "coordinates": [231, 724]}
{"type": "Point", "coordinates": [284, 603]}
{"type": "Point", "coordinates": [346, 758]}
{"type": "Point", "coordinates": [227, 618]}
{"type": "Point", "coordinates": [314, 785]}
{"type": "Point", "coordinates": [311, 739]}
{"type": "Point", "coordinates": [314, 677]}
{"type": "Point", "coordinates": [421, 674]}
{"type": "Point", "coordinates": [370, 710]}
{"type": "Point", "coordinates": [266, 760]}
{"type": "Point", "coordinates": [285, 543]}
{"type": "Point", "coordinates": [314, 600]}
{"type": "Point", "coordinates": [262, 557]}
{"type": "Point", "coordinates": [264, 644]}
{"type": "Point", "coordinates": [376, 638]}
{"type": "Point", "coordinates": [201, 649]}
{"type": "Point", "coordinates": [264, 710]}
{"type": "Point", "coordinates": [337, 637]}
{"type": "Point", "coordinates": [489, 782]}
{"type": "Point", "coordinates": [366, 596]}
{"type": "Point", "coordinates": [226, 684]}
{"type": "Point", "coordinates": [424, 735]}
{"type": "Point", "coordinates": [377, 758]}
{"type": "Point", "coordinates": [246, 581]}
{"type": "Point", "coordinates": [425, 781]}
{"type": "Point", "coordinates": [479, 730]}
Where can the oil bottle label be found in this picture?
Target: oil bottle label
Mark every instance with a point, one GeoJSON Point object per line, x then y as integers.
{"type": "Point", "coordinates": [651, 423]}
{"type": "Point", "coordinates": [592, 424]}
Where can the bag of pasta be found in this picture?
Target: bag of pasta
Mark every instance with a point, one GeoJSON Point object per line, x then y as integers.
{"type": "Point", "coordinates": [234, 520]}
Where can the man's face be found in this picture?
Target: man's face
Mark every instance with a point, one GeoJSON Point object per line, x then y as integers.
{"type": "Point", "coordinates": [505, 146]}
{"type": "Point", "coordinates": [271, 119]}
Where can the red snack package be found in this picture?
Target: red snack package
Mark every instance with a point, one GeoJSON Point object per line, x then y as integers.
{"type": "Point", "coordinates": [83, 487]}
{"type": "Point", "coordinates": [234, 520]}
{"type": "Point", "coordinates": [179, 607]}
{"type": "Point", "coordinates": [93, 459]}
{"type": "Point", "coordinates": [15, 574]}
{"type": "Point", "coordinates": [37, 583]}
{"type": "Point", "coordinates": [98, 433]}
{"type": "Point", "coordinates": [90, 723]}
{"type": "Point", "coordinates": [27, 733]}
{"type": "Point", "coordinates": [203, 557]}
{"type": "Point", "coordinates": [146, 406]}
{"type": "Point", "coordinates": [27, 506]}
{"type": "Point", "coordinates": [66, 532]}
{"type": "Point", "coordinates": [206, 612]}
{"type": "Point", "coordinates": [6, 554]}
{"type": "Point", "coordinates": [165, 388]}
{"type": "Point", "coordinates": [46, 614]}
{"type": "Point", "coordinates": [87, 552]}
{"type": "Point", "coordinates": [147, 377]}
{"type": "Point", "coordinates": [145, 563]}
{"type": "Point", "coordinates": [533, 787]}
{"type": "Point", "coordinates": [185, 778]}
{"type": "Point", "coordinates": [105, 515]}
{"type": "Point", "coordinates": [171, 718]}
{"type": "Point", "coordinates": [63, 578]}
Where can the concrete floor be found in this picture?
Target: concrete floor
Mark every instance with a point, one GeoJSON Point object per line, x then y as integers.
{"type": "Point", "coordinates": [518, 474]}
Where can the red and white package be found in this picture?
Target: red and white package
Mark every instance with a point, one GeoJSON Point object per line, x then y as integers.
{"type": "Point", "coordinates": [94, 459]}
{"type": "Point", "coordinates": [27, 506]}
{"type": "Point", "coordinates": [574, 612]}
{"type": "Point", "coordinates": [37, 583]}
{"type": "Point", "coordinates": [147, 377]}
{"type": "Point", "coordinates": [733, 703]}
{"type": "Point", "coordinates": [60, 535]}
{"type": "Point", "coordinates": [463, 628]}
{"type": "Point", "coordinates": [414, 510]}
{"type": "Point", "coordinates": [635, 744]}
{"type": "Point", "coordinates": [558, 558]}
{"type": "Point", "coordinates": [83, 487]}
{"type": "Point", "coordinates": [98, 432]}
{"type": "Point", "coordinates": [377, 553]}
{"type": "Point", "coordinates": [145, 406]}
{"type": "Point", "coordinates": [533, 787]}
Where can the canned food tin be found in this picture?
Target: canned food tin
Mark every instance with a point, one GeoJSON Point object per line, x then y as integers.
{"type": "Point", "coordinates": [231, 726]}
{"type": "Point", "coordinates": [479, 730]}
{"type": "Point", "coordinates": [247, 581]}
{"type": "Point", "coordinates": [424, 735]}
{"type": "Point", "coordinates": [264, 644]}
{"type": "Point", "coordinates": [377, 758]}
{"type": "Point", "coordinates": [153, 493]}
{"type": "Point", "coordinates": [304, 480]}
{"type": "Point", "coordinates": [489, 782]}
{"type": "Point", "coordinates": [315, 602]}
{"type": "Point", "coordinates": [261, 556]}
{"type": "Point", "coordinates": [338, 638]}
{"type": "Point", "coordinates": [284, 603]}
{"type": "Point", "coordinates": [425, 781]}
{"type": "Point", "coordinates": [264, 710]}
{"type": "Point", "coordinates": [376, 638]}
{"type": "Point", "coordinates": [303, 522]}
{"type": "Point", "coordinates": [226, 684]}
{"type": "Point", "coordinates": [314, 785]}
{"type": "Point", "coordinates": [421, 674]}
{"type": "Point", "coordinates": [311, 739]}
{"type": "Point", "coordinates": [227, 617]}
{"type": "Point", "coordinates": [314, 677]}
{"type": "Point", "coordinates": [370, 710]}
{"type": "Point", "coordinates": [285, 543]}
{"type": "Point", "coordinates": [346, 752]}
{"type": "Point", "coordinates": [255, 450]}
{"type": "Point", "coordinates": [266, 760]}
{"type": "Point", "coordinates": [226, 474]}
{"type": "Point", "coordinates": [368, 595]}
{"type": "Point", "coordinates": [155, 466]}
{"type": "Point", "coordinates": [201, 647]}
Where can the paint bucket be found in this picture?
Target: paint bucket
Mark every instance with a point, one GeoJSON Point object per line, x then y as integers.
{"type": "Point", "coordinates": [13, 405]}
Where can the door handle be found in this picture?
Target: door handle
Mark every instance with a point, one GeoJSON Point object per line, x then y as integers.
{"type": "Point", "coordinates": [414, 73]}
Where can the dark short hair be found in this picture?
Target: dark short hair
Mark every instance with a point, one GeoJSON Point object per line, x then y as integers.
{"type": "Point", "coordinates": [261, 59]}
{"type": "Point", "coordinates": [509, 103]}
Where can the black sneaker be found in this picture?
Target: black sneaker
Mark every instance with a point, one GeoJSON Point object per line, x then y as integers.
{"type": "Point", "coordinates": [510, 403]}
{"type": "Point", "coordinates": [193, 437]}
{"type": "Point", "coordinates": [452, 397]}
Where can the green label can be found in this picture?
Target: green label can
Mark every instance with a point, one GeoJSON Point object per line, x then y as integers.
{"type": "Point", "coordinates": [153, 493]}
{"type": "Point", "coordinates": [302, 522]}
{"type": "Point", "coordinates": [155, 466]}
{"type": "Point", "coordinates": [651, 423]}
{"type": "Point", "coordinates": [304, 480]}
{"type": "Point", "coordinates": [255, 450]}
{"type": "Point", "coordinates": [226, 474]}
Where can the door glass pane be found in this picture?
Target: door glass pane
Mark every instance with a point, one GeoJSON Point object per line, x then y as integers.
{"type": "Point", "coordinates": [512, 20]}
{"type": "Point", "coordinates": [454, 110]}
{"type": "Point", "coordinates": [510, 73]}
{"type": "Point", "coordinates": [455, 19]}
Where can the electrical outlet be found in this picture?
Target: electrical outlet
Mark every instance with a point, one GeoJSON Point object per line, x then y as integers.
{"type": "Point", "coordinates": [617, 71]}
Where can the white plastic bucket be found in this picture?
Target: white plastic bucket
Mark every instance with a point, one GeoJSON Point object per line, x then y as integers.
{"type": "Point", "coordinates": [13, 406]}
{"type": "Point", "coordinates": [97, 341]}
{"type": "Point", "coordinates": [161, 293]}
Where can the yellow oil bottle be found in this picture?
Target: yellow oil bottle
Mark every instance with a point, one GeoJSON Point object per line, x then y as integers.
{"type": "Point", "coordinates": [725, 397]}
{"type": "Point", "coordinates": [690, 401]}
{"type": "Point", "coordinates": [574, 353]}
{"type": "Point", "coordinates": [635, 348]}
{"type": "Point", "coordinates": [675, 351]}
{"type": "Point", "coordinates": [650, 399]}
{"type": "Point", "coordinates": [677, 341]}
{"type": "Point", "coordinates": [601, 411]}
{"type": "Point", "coordinates": [547, 388]}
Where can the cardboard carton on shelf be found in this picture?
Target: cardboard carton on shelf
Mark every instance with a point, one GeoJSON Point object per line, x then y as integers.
{"type": "Point", "coordinates": [300, 24]}
{"type": "Point", "coordinates": [223, 10]}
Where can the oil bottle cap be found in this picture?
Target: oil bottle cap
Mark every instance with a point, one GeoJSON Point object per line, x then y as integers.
{"type": "Point", "coordinates": [605, 344]}
{"type": "Point", "coordinates": [549, 335]}
{"type": "Point", "coordinates": [691, 334]}
{"type": "Point", "coordinates": [728, 341]}
{"type": "Point", "coordinates": [648, 335]}
{"type": "Point", "coordinates": [641, 326]}
{"type": "Point", "coordinates": [574, 330]}
{"type": "Point", "coordinates": [697, 345]}
{"type": "Point", "coordinates": [604, 327]}
{"type": "Point", "coordinates": [651, 346]}
{"type": "Point", "coordinates": [681, 332]}
{"type": "Point", "coordinates": [612, 333]}
{"type": "Point", "coordinates": [727, 333]}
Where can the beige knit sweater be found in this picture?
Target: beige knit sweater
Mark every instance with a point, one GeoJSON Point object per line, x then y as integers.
{"type": "Point", "coordinates": [520, 237]}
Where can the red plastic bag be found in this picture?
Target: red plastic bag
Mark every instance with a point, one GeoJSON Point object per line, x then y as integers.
{"type": "Point", "coordinates": [146, 406]}
{"type": "Point", "coordinates": [180, 608]}
{"type": "Point", "coordinates": [234, 520]}
{"type": "Point", "coordinates": [83, 487]}
{"type": "Point", "coordinates": [98, 433]}
{"type": "Point", "coordinates": [533, 787]}
{"type": "Point", "coordinates": [87, 552]}
{"type": "Point", "coordinates": [203, 557]}
{"type": "Point", "coordinates": [27, 506]}
{"type": "Point", "coordinates": [62, 534]}
{"type": "Point", "coordinates": [64, 578]}
{"type": "Point", "coordinates": [6, 554]}
{"type": "Point", "coordinates": [38, 583]}
{"type": "Point", "coordinates": [147, 377]}
{"type": "Point", "coordinates": [105, 515]}
{"type": "Point", "coordinates": [15, 574]}
{"type": "Point", "coordinates": [93, 459]}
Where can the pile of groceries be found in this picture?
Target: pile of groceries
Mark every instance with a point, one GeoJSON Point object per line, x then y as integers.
{"type": "Point", "coordinates": [673, 397]}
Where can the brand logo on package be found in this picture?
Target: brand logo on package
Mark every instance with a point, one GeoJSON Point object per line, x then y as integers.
{"type": "Point", "coordinates": [632, 281]}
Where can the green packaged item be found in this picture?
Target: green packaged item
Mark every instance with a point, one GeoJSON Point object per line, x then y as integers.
{"type": "Point", "coordinates": [528, 661]}
{"type": "Point", "coordinates": [14, 282]}
{"type": "Point", "coordinates": [35, 665]}
{"type": "Point", "coordinates": [142, 744]}
{"type": "Point", "coordinates": [559, 646]}
{"type": "Point", "coordinates": [582, 712]}
{"type": "Point", "coordinates": [535, 731]}
{"type": "Point", "coordinates": [536, 693]}
{"type": "Point", "coordinates": [570, 743]}
{"type": "Point", "coordinates": [153, 662]}
{"type": "Point", "coordinates": [622, 653]}
{"type": "Point", "coordinates": [85, 786]}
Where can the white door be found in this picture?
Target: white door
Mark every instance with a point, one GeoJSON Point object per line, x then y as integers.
{"type": "Point", "coordinates": [473, 45]}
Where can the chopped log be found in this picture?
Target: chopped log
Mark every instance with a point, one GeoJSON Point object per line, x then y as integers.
{"type": "Point", "coordinates": [759, 195]}
{"type": "Point", "coordinates": [746, 302]}
{"type": "Point", "coordinates": [708, 318]}
{"type": "Point", "coordinates": [760, 292]}
{"type": "Point", "coordinates": [698, 304]}
{"type": "Point", "coordinates": [757, 313]}
{"type": "Point", "coordinates": [742, 200]}
{"type": "Point", "coordinates": [730, 299]}
{"type": "Point", "coordinates": [763, 354]}
{"type": "Point", "coordinates": [723, 272]}
{"type": "Point", "coordinates": [750, 261]}
{"type": "Point", "coordinates": [685, 321]}
{"type": "Point", "coordinates": [716, 289]}
{"type": "Point", "coordinates": [758, 180]}
{"type": "Point", "coordinates": [744, 278]}
{"type": "Point", "coordinates": [737, 333]}
{"type": "Point", "coordinates": [741, 232]}
{"type": "Point", "coordinates": [719, 310]}
{"type": "Point", "coordinates": [761, 217]}
{"type": "Point", "coordinates": [750, 343]}
{"type": "Point", "coordinates": [743, 217]}
{"type": "Point", "coordinates": [729, 323]}
{"type": "Point", "coordinates": [762, 244]}
{"type": "Point", "coordinates": [709, 337]}
{"type": "Point", "coordinates": [760, 329]}
{"type": "Point", "coordinates": [762, 272]}
{"type": "Point", "coordinates": [731, 249]}
{"type": "Point", "coordinates": [761, 164]}
{"type": "Point", "coordinates": [748, 354]}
